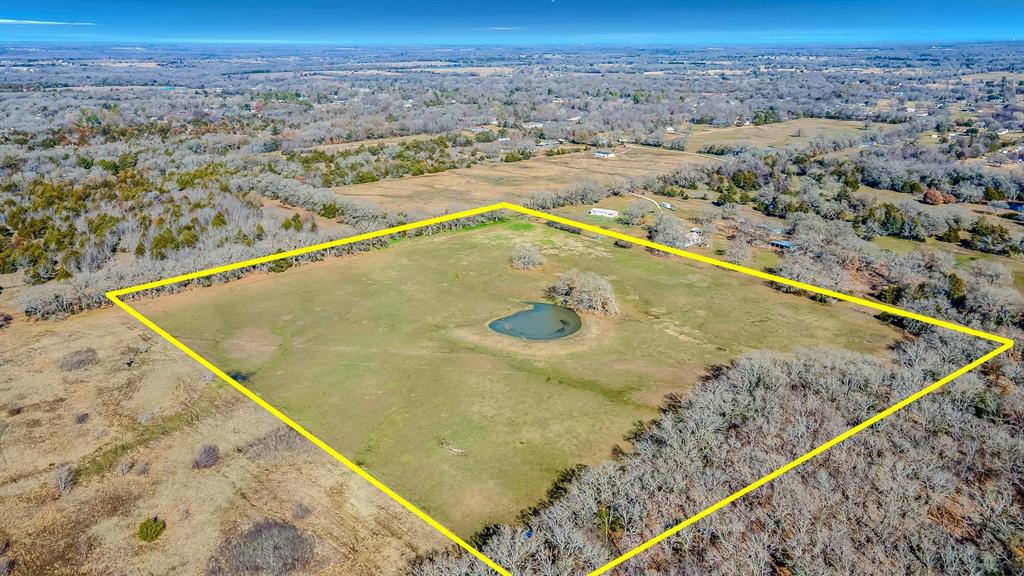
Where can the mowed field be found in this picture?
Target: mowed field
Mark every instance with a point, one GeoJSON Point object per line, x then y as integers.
{"type": "Point", "coordinates": [777, 135]}
{"type": "Point", "coordinates": [387, 356]}
{"type": "Point", "coordinates": [515, 181]}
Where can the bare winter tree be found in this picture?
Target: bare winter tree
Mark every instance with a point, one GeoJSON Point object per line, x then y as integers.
{"type": "Point", "coordinates": [526, 257]}
{"type": "Point", "coordinates": [584, 291]}
{"type": "Point", "coordinates": [737, 252]}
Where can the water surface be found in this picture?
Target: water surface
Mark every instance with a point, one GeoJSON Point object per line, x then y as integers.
{"type": "Point", "coordinates": [540, 322]}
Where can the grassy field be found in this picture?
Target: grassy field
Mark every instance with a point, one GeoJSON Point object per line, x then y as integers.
{"type": "Point", "coordinates": [515, 181]}
{"type": "Point", "coordinates": [774, 135]}
{"type": "Point", "coordinates": [387, 356]}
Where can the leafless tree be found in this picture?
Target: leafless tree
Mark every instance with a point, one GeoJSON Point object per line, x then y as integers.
{"type": "Point", "coordinates": [584, 291]}
{"type": "Point", "coordinates": [526, 257]}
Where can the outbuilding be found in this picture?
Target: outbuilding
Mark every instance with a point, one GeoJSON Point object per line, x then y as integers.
{"type": "Point", "coordinates": [604, 212]}
{"type": "Point", "coordinates": [604, 154]}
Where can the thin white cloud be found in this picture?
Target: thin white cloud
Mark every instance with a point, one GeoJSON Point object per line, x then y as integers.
{"type": "Point", "coordinates": [10, 21]}
{"type": "Point", "coordinates": [498, 28]}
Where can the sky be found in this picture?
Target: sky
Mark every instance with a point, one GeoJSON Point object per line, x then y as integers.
{"type": "Point", "coordinates": [516, 22]}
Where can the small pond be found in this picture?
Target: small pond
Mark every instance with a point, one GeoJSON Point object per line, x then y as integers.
{"type": "Point", "coordinates": [540, 322]}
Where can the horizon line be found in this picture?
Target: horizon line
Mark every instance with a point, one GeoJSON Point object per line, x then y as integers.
{"type": "Point", "coordinates": [255, 42]}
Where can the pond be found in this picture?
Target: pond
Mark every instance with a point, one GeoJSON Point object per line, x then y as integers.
{"type": "Point", "coordinates": [540, 322]}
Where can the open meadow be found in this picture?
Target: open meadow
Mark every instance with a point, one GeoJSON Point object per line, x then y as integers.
{"type": "Point", "coordinates": [774, 135]}
{"type": "Point", "coordinates": [516, 181]}
{"type": "Point", "coordinates": [387, 355]}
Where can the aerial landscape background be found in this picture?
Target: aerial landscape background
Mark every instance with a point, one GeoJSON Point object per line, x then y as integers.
{"type": "Point", "coordinates": [552, 396]}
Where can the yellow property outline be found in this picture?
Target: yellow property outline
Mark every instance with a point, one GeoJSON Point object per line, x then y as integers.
{"type": "Point", "coordinates": [1004, 345]}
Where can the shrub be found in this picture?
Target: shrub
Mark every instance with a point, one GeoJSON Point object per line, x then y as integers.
{"type": "Point", "coordinates": [6, 563]}
{"type": "Point", "coordinates": [78, 359]}
{"type": "Point", "coordinates": [300, 511]}
{"type": "Point", "coordinates": [207, 457]}
{"type": "Point", "coordinates": [125, 466]}
{"type": "Point", "coordinates": [526, 257]}
{"type": "Point", "coordinates": [150, 529]}
{"type": "Point", "coordinates": [64, 478]}
{"type": "Point", "coordinates": [267, 547]}
{"type": "Point", "coordinates": [280, 441]}
{"type": "Point", "coordinates": [584, 291]}
{"type": "Point", "coordinates": [281, 265]}
{"type": "Point", "coordinates": [933, 197]}
{"type": "Point", "coordinates": [564, 227]}
{"type": "Point", "coordinates": [81, 418]}
{"type": "Point", "coordinates": [5, 320]}
{"type": "Point", "coordinates": [517, 155]}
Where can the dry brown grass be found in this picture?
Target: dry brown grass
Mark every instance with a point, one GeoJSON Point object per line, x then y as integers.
{"type": "Point", "coordinates": [153, 414]}
{"type": "Point", "coordinates": [800, 131]}
{"type": "Point", "coordinates": [515, 181]}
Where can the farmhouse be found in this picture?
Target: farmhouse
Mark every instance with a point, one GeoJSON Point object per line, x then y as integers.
{"type": "Point", "coordinates": [604, 212]}
{"type": "Point", "coordinates": [604, 154]}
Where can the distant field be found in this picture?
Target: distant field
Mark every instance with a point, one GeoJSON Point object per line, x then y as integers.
{"type": "Point", "coordinates": [387, 356]}
{"type": "Point", "coordinates": [516, 181]}
{"type": "Point", "coordinates": [373, 142]}
{"type": "Point", "coordinates": [478, 70]}
{"type": "Point", "coordinates": [993, 76]}
{"type": "Point", "coordinates": [772, 135]}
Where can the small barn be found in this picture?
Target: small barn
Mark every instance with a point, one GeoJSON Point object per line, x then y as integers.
{"type": "Point", "coordinates": [784, 245]}
{"type": "Point", "coordinates": [604, 154]}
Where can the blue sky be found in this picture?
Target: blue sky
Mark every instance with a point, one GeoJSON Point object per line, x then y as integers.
{"type": "Point", "coordinates": [623, 22]}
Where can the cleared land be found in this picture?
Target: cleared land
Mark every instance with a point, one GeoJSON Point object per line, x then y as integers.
{"type": "Point", "coordinates": [131, 432]}
{"type": "Point", "coordinates": [777, 135]}
{"type": "Point", "coordinates": [515, 181]}
{"type": "Point", "coordinates": [387, 356]}
{"type": "Point", "coordinates": [993, 76]}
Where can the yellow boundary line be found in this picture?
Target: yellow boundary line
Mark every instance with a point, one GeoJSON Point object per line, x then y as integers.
{"type": "Point", "coordinates": [1005, 344]}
